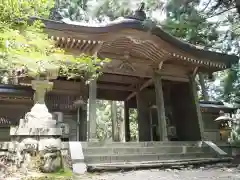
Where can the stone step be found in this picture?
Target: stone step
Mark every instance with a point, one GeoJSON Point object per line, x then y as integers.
{"type": "Point", "coordinates": [90, 159]}
{"type": "Point", "coordinates": [142, 144]}
{"type": "Point", "coordinates": [141, 150]}
{"type": "Point", "coordinates": [157, 164]}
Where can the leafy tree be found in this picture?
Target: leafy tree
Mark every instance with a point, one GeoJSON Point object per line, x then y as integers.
{"type": "Point", "coordinates": [133, 124]}
{"type": "Point", "coordinates": [107, 112]}
{"type": "Point", "coordinates": [26, 50]}
{"type": "Point", "coordinates": [187, 22]}
{"type": "Point", "coordinates": [229, 79]}
{"type": "Point", "coordinates": [104, 123]}
{"type": "Point", "coordinates": [75, 10]}
{"type": "Point", "coordinates": [112, 9]}
{"type": "Point", "coordinates": [227, 4]}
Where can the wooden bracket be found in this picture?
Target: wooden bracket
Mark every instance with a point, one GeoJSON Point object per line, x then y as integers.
{"type": "Point", "coordinates": [160, 65]}
{"type": "Point", "coordinates": [97, 48]}
{"type": "Point", "coordinates": [144, 85]}
{"type": "Point", "coordinates": [195, 71]}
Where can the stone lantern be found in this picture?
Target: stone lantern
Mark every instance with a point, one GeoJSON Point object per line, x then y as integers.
{"type": "Point", "coordinates": [224, 123]}
{"type": "Point", "coordinates": [38, 131]}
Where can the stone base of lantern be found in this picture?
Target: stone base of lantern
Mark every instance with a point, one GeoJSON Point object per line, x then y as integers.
{"type": "Point", "coordinates": [37, 134]}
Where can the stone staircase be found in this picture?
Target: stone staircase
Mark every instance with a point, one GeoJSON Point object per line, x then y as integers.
{"type": "Point", "coordinates": [147, 154]}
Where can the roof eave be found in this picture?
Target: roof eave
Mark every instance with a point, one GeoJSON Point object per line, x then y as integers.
{"type": "Point", "coordinates": [115, 26]}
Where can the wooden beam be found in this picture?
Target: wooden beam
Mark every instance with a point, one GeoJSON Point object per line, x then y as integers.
{"type": "Point", "coordinates": [115, 56]}
{"type": "Point", "coordinates": [16, 106]}
{"type": "Point", "coordinates": [139, 74]}
{"type": "Point", "coordinates": [65, 91]}
{"type": "Point", "coordinates": [112, 95]}
{"type": "Point", "coordinates": [61, 87]}
{"type": "Point", "coordinates": [146, 71]}
{"type": "Point", "coordinates": [174, 78]}
{"type": "Point", "coordinates": [114, 78]}
{"type": "Point", "coordinates": [115, 87]}
{"type": "Point", "coordinates": [146, 84]}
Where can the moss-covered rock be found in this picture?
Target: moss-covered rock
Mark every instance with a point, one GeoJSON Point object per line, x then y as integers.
{"type": "Point", "coordinates": [63, 174]}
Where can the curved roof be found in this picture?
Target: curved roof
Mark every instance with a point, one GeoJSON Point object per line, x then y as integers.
{"type": "Point", "coordinates": [124, 24]}
{"type": "Point", "coordinates": [70, 34]}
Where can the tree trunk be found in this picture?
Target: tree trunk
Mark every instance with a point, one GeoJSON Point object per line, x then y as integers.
{"type": "Point", "coordinates": [203, 87]}
{"type": "Point", "coordinates": [238, 6]}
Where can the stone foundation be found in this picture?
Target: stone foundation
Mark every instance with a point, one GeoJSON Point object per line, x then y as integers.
{"type": "Point", "coordinates": [37, 135]}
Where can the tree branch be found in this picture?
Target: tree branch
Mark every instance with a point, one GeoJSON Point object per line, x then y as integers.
{"type": "Point", "coordinates": [219, 13]}
{"type": "Point", "coordinates": [205, 6]}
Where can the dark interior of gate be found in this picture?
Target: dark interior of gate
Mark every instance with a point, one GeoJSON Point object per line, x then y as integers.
{"type": "Point", "coordinates": [180, 110]}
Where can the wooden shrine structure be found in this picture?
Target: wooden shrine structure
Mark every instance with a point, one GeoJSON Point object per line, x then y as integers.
{"type": "Point", "coordinates": [149, 70]}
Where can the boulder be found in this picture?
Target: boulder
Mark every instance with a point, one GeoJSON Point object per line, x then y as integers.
{"type": "Point", "coordinates": [51, 162]}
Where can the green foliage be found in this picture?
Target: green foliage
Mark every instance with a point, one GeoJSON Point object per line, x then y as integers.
{"type": "Point", "coordinates": [62, 174]}
{"type": "Point", "coordinates": [75, 10]}
{"type": "Point", "coordinates": [104, 120]}
{"type": "Point", "coordinates": [12, 10]}
{"type": "Point", "coordinates": [187, 23]}
{"type": "Point", "coordinates": [112, 9]}
{"type": "Point", "coordinates": [25, 48]}
{"type": "Point", "coordinates": [104, 123]}
{"type": "Point", "coordinates": [133, 124]}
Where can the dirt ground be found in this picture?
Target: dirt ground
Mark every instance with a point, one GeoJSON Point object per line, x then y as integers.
{"type": "Point", "coordinates": [202, 173]}
{"type": "Point", "coordinates": [213, 172]}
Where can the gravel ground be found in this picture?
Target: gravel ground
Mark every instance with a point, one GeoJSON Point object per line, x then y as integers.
{"type": "Point", "coordinates": [215, 172]}
{"type": "Point", "coordinates": [212, 173]}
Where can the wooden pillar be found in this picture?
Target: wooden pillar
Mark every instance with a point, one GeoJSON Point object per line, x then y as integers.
{"type": "Point", "coordinates": [143, 117]}
{"type": "Point", "coordinates": [83, 123]}
{"type": "Point", "coordinates": [78, 124]}
{"type": "Point", "coordinates": [82, 119]}
{"type": "Point", "coordinates": [127, 122]}
{"type": "Point", "coordinates": [197, 106]}
{"type": "Point", "coordinates": [162, 125]}
{"type": "Point", "coordinates": [92, 126]}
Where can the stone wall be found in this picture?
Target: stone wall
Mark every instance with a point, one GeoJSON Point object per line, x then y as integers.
{"type": "Point", "coordinates": [211, 130]}
{"type": "Point", "coordinates": [7, 155]}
